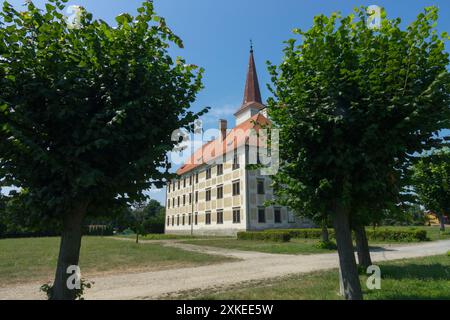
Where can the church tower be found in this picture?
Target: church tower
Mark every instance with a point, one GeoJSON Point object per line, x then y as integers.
{"type": "Point", "coordinates": [252, 103]}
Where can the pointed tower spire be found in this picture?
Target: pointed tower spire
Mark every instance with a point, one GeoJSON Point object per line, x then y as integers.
{"type": "Point", "coordinates": [252, 103]}
{"type": "Point", "coordinates": [252, 92]}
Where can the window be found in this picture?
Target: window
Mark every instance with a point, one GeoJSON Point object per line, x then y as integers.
{"type": "Point", "coordinates": [220, 217]}
{"type": "Point", "coordinates": [208, 195]}
{"type": "Point", "coordinates": [190, 180]}
{"type": "Point", "coordinates": [260, 186]}
{"type": "Point", "coordinates": [173, 202]}
{"type": "Point", "coordinates": [168, 187]}
{"type": "Point", "coordinates": [235, 162]}
{"type": "Point", "coordinates": [277, 215]}
{"type": "Point", "coordinates": [220, 192]}
{"type": "Point", "coordinates": [179, 184]}
{"type": "Point", "coordinates": [236, 215]}
{"type": "Point", "coordinates": [184, 183]}
{"type": "Point", "coordinates": [196, 219]}
{"type": "Point", "coordinates": [184, 219]}
{"type": "Point", "coordinates": [173, 221]}
{"type": "Point", "coordinates": [168, 203]}
{"type": "Point", "coordinates": [178, 220]}
{"type": "Point", "coordinates": [173, 185]}
{"type": "Point", "coordinates": [208, 217]}
{"type": "Point", "coordinates": [196, 196]}
{"type": "Point", "coordinates": [208, 173]}
{"type": "Point", "coordinates": [219, 169]}
{"type": "Point", "coordinates": [190, 198]}
{"type": "Point", "coordinates": [196, 178]}
{"type": "Point", "coordinates": [190, 218]}
{"type": "Point", "coordinates": [261, 215]}
{"type": "Point", "coordinates": [184, 199]}
{"type": "Point", "coordinates": [236, 188]}
{"type": "Point", "coordinates": [178, 200]}
{"type": "Point", "coordinates": [168, 221]}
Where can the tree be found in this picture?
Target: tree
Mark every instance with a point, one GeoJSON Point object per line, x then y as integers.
{"type": "Point", "coordinates": [138, 214]}
{"type": "Point", "coordinates": [155, 217]}
{"type": "Point", "coordinates": [353, 105]}
{"type": "Point", "coordinates": [431, 182]}
{"type": "Point", "coordinates": [87, 113]}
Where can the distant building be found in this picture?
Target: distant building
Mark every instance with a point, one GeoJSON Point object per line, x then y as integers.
{"type": "Point", "coordinates": [217, 197]}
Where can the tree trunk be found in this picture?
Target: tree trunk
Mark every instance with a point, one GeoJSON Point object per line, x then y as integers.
{"type": "Point", "coordinates": [325, 234]}
{"type": "Point", "coordinates": [441, 221]}
{"type": "Point", "coordinates": [69, 252]}
{"type": "Point", "coordinates": [362, 246]}
{"type": "Point", "coordinates": [347, 261]}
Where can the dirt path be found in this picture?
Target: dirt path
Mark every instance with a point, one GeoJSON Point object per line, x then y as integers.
{"type": "Point", "coordinates": [253, 266]}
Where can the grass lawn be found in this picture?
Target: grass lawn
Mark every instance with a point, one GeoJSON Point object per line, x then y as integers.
{"type": "Point", "coordinates": [421, 278]}
{"type": "Point", "coordinates": [295, 246]}
{"type": "Point", "coordinates": [34, 259]}
{"type": "Point", "coordinates": [158, 236]}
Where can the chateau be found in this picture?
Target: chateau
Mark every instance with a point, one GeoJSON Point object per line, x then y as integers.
{"type": "Point", "coordinates": [216, 193]}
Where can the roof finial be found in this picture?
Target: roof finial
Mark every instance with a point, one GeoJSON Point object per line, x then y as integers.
{"type": "Point", "coordinates": [251, 45]}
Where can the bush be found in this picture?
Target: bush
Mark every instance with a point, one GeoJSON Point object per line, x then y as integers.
{"type": "Point", "coordinates": [305, 233]}
{"type": "Point", "coordinates": [47, 288]}
{"type": "Point", "coordinates": [401, 235]}
{"type": "Point", "coordinates": [378, 234]}
{"type": "Point", "coordinates": [329, 245]}
{"type": "Point", "coordinates": [276, 236]}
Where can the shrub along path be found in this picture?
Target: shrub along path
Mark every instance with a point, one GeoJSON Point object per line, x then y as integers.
{"type": "Point", "coordinates": [253, 266]}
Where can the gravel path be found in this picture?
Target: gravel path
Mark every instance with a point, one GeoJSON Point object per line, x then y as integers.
{"type": "Point", "coordinates": [253, 266]}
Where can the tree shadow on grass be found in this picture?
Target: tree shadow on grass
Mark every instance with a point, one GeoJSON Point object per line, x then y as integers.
{"type": "Point", "coordinates": [435, 271]}
{"type": "Point", "coordinates": [379, 249]}
{"type": "Point", "coordinates": [414, 282]}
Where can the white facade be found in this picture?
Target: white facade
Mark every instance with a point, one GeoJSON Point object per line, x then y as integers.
{"type": "Point", "coordinates": [233, 200]}
{"type": "Point", "coordinates": [227, 214]}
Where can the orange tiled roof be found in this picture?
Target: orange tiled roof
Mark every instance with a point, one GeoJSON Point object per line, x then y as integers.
{"type": "Point", "coordinates": [236, 138]}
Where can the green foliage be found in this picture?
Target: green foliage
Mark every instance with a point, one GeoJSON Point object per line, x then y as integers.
{"type": "Point", "coordinates": [354, 105]}
{"type": "Point", "coordinates": [431, 180]}
{"type": "Point", "coordinates": [15, 221]}
{"type": "Point", "coordinates": [276, 236]}
{"type": "Point", "coordinates": [86, 114]}
{"type": "Point", "coordinates": [380, 234]}
{"type": "Point", "coordinates": [411, 215]}
{"type": "Point", "coordinates": [47, 288]}
{"type": "Point", "coordinates": [145, 218]}
{"type": "Point", "coordinates": [329, 245]}
{"type": "Point", "coordinates": [312, 233]}
{"type": "Point", "coordinates": [400, 235]}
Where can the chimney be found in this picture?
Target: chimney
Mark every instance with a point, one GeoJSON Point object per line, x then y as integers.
{"type": "Point", "coordinates": [223, 128]}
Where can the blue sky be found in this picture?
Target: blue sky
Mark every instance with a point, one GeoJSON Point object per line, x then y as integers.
{"type": "Point", "coordinates": [216, 36]}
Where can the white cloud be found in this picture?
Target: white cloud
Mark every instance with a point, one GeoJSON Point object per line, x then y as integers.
{"type": "Point", "coordinates": [216, 113]}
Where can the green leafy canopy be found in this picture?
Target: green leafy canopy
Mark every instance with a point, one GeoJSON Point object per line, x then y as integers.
{"type": "Point", "coordinates": [86, 114]}
{"type": "Point", "coordinates": [431, 180]}
{"type": "Point", "coordinates": [354, 105]}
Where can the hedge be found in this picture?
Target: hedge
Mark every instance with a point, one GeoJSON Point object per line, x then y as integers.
{"type": "Point", "coordinates": [305, 233]}
{"type": "Point", "coordinates": [378, 234]}
{"type": "Point", "coordinates": [410, 235]}
{"type": "Point", "coordinates": [276, 236]}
